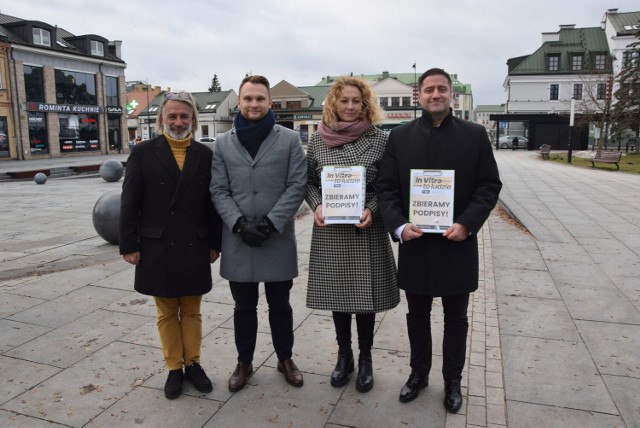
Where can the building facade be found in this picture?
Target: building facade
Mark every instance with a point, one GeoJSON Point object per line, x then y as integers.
{"type": "Point", "coordinates": [572, 73]}
{"type": "Point", "coordinates": [482, 116]}
{"type": "Point", "coordinates": [66, 92]}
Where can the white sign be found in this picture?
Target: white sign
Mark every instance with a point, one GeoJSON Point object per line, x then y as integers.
{"type": "Point", "coordinates": [431, 201]}
{"type": "Point", "coordinates": [343, 194]}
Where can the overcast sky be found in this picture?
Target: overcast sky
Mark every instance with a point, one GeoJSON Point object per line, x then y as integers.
{"type": "Point", "coordinates": [182, 44]}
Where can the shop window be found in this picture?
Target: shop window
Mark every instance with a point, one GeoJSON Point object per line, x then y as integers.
{"type": "Point", "coordinates": [78, 132]}
{"type": "Point", "coordinates": [304, 133]}
{"type": "Point", "coordinates": [4, 138]}
{"type": "Point", "coordinates": [38, 140]}
{"type": "Point", "coordinates": [41, 37]}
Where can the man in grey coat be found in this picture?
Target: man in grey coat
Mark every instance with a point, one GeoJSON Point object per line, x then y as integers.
{"type": "Point", "coordinates": [258, 181]}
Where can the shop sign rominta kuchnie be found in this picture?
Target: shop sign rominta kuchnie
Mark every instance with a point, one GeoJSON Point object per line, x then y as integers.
{"type": "Point", "coordinates": [62, 108]}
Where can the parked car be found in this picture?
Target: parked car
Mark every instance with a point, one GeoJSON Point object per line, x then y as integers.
{"type": "Point", "coordinates": [208, 141]}
{"type": "Point", "coordinates": [506, 141]}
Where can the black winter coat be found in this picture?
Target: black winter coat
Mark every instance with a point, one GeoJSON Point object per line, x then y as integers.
{"type": "Point", "coordinates": [168, 216]}
{"type": "Point", "coordinates": [432, 265]}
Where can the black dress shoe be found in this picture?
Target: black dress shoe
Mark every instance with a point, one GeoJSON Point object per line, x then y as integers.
{"type": "Point", "coordinates": [344, 367]}
{"type": "Point", "coordinates": [452, 396]}
{"type": "Point", "coordinates": [196, 375]}
{"type": "Point", "coordinates": [364, 381]}
{"type": "Point", "coordinates": [414, 385]}
{"type": "Point", "coordinates": [291, 373]}
{"type": "Point", "coordinates": [238, 379]}
{"type": "Point", "coordinates": [173, 385]}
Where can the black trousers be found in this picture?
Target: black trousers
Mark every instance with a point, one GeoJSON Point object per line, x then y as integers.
{"type": "Point", "coordinates": [454, 344]}
{"type": "Point", "coordinates": [245, 318]}
{"type": "Point", "coordinates": [365, 324]}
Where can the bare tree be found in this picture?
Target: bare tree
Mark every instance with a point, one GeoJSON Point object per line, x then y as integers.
{"type": "Point", "coordinates": [626, 109]}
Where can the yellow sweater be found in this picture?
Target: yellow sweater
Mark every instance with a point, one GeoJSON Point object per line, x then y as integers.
{"type": "Point", "coordinates": [179, 148]}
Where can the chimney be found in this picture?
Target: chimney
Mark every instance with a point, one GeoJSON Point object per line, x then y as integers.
{"type": "Point", "coordinates": [116, 48]}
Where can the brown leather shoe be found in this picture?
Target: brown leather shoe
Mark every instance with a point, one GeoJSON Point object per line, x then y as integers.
{"type": "Point", "coordinates": [238, 379]}
{"type": "Point", "coordinates": [291, 373]}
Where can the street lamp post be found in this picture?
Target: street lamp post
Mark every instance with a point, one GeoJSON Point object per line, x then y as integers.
{"type": "Point", "coordinates": [148, 119]}
{"type": "Point", "coordinates": [571, 119]}
{"type": "Point", "coordinates": [415, 90]}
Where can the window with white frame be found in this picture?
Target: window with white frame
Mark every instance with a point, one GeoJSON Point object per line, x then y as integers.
{"type": "Point", "coordinates": [577, 91]}
{"type": "Point", "coordinates": [97, 48]}
{"type": "Point", "coordinates": [576, 62]}
{"type": "Point", "coordinates": [41, 37]}
{"type": "Point", "coordinates": [554, 91]}
{"type": "Point", "coordinates": [554, 62]}
{"type": "Point", "coordinates": [599, 62]}
{"type": "Point", "coordinates": [384, 101]}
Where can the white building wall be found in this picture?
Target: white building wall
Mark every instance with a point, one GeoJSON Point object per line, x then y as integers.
{"type": "Point", "coordinates": [530, 94]}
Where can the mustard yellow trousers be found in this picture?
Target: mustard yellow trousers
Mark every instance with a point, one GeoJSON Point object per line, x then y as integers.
{"type": "Point", "coordinates": [180, 330]}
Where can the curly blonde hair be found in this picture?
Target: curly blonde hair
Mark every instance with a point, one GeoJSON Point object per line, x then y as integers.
{"type": "Point", "coordinates": [370, 109]}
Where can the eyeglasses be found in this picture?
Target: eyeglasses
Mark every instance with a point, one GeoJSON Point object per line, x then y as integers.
{"type": "Point", "coordinates": [184, 96]}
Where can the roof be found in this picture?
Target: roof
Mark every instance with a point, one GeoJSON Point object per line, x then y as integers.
{"type": "Point", "coordinates": [62, 36]}
{"type": "Point", "coordinates": [490, 108]}
{"type": "Point", "coordinates": [570, 41]}
{"type": "Point", "coordinates": [625, 24]}
{"type": "Point", "coordinates": [317, 94]}
{"type": "Point", "coordinates": [406, 78]}
{"type": "Point", "coordinates": [203, 99]}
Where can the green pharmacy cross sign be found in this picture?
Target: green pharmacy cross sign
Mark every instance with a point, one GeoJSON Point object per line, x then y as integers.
{"type": "Point", "coordinates": [131, 107]}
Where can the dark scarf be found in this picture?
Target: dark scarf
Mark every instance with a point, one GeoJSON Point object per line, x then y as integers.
{"type": "Point", "coordinates": [251, 135]}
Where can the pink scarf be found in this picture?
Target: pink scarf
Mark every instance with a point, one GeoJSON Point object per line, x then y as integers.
{"type": "Point", "coordinates": [345, 132]}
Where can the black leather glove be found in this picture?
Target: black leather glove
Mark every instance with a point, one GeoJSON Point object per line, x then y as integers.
{"type": "Point", "coordinates": [240, 224]}
{"type": "Point", "coordinates": [250, 232]}
{"type": "Point", "coordinates": [265, 226]}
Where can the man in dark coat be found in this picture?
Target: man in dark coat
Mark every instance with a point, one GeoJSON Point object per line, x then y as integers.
{"type": "Point", "coordinates": [171, 232]}
{"type": "Point", "coordinates": [433, 264]}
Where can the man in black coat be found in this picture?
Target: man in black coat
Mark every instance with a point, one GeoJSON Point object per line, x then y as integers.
{"type": "Point", "coordinates": [171, 232]}
{"type": "Point", "coordinates": [438, 264]}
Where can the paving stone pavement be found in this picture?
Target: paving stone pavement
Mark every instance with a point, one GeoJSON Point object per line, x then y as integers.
{"type": "Point", "coordinates": [554, 326]}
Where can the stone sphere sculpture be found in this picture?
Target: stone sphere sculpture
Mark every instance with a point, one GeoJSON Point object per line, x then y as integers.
{"type": "Point", "coordinates": [40, 178]}
{"type": "Point", "coordinates": [111, 170]}
{"type": "Point", "coordinates": [106, 216]}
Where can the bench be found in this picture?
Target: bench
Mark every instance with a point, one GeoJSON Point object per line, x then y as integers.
{"type": "Point", "coordinates": [28, 174]}
{"type": "Point", "coordinates": [545, 149]}
{"type": "Point", "coordinates": [607, 157]}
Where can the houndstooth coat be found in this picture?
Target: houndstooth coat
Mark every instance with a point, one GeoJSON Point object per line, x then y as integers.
{"type": "Point", "coordinates": [350, 270]}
